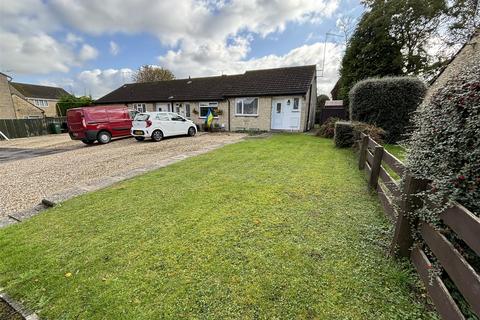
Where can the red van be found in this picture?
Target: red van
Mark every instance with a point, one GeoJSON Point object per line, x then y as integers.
{"type": "Point", "coordinates": [99, 123]}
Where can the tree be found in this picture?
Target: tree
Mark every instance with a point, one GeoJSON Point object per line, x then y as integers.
{"type": "Point", "coordinates": [319, 106]}
{"type": "Point", "coordinates": [371, 52]}
{"type": "Point", "coordinates": [412, 24]}
{"type": "Point", "coordinates": [463, 19]}
{"type": "Point", "coordinates": [70, 101]}
{"type": "Point", "coordinates": [148, 73]}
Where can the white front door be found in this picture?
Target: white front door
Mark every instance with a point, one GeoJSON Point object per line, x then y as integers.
{"type": "Point", "coordinates": [286, 114]}
{"type": "Point", "coordinates": [165, 107]}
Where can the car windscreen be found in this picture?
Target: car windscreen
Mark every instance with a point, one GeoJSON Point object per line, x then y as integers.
{"type": "Point", "coordinates": [142, 117]}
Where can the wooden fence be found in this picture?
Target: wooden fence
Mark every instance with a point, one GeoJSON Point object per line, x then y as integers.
{"type": "Point", "coordinates": [21, 128]}
{"type": "Point", "coordinates": [398, 202]}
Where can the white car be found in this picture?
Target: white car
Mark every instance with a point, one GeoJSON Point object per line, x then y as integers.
{"type": "Point", "coordinates": [157, 125]}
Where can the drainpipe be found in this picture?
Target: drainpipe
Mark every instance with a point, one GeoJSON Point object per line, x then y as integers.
{"type": "Point", "coordinates": [229, 129]}
{"type": "Point", "coordinates": [309, 103]}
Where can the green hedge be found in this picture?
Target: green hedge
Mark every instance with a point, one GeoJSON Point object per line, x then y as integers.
{"type": "Point", "coordinates": [386, 103]}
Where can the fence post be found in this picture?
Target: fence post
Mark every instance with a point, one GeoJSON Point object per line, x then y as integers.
{"type": "Point", "coordinates": [377, 162]}
{"type": "Point", "coordinates": [363, 152]}
{"type": "Point", "coordinates": [402, 239]}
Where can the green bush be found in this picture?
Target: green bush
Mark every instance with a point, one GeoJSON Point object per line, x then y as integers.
{"type": "Point", "coordinates": [445, 145]}
{"type": "Point", "coordinates": [327, 129]}
{"type": "Point", "coordinates": [386, 103]}
{"type": "Point", "coordinates": [445, 148]}
{"type": "Point", "coordinates": [343, 134]}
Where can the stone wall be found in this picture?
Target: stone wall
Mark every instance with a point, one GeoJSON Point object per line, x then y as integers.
{"type": "Point", "coordinates": [25, 109]}
{"type": "Point", "coordinates": [6, 103]}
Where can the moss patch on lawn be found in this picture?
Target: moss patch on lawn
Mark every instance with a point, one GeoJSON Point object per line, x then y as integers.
{"type": "Point", "coordinates": [267, 228]}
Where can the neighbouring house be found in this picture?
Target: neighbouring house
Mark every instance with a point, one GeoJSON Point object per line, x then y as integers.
{"type": "Point", "coordinates": [22, 100]}
{"type": "Point", "coordinates": [467, 55]}
{"type": "Point", "coordinates": [272, 99]}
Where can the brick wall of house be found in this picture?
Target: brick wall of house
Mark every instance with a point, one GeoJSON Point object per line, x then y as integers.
{"type": "Point", "coordinates": [6, 102]}
{"type": "Point", "coordinates": [261, 122]}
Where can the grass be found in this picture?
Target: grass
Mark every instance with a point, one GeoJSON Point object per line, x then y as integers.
{"type": "Point", "coordinates": [397, 150]}
{"type": "Point", "coordinates": [283, 227]}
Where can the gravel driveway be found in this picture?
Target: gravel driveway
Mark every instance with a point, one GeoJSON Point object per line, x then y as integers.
{"type": "Point", "coordinates": [26, 180]}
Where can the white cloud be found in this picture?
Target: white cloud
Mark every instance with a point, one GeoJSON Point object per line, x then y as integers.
{"type": "Point", "coordinates": [87, 52]}
{"type": "Point", "coordinates": [114, 48]}
{"type": "Point", "coordinates": [73, 38]}
{"type": "Point", "coordinates": [99, 82]}
{"type": "Point", "coordinates": [38, 53]}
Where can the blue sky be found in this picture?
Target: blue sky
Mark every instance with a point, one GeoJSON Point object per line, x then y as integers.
{"type": "Point", "coordinates": [89, 46]}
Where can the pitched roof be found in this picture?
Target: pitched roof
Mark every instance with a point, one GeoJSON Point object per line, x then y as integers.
{"type": "Point", "coordinates": [280, 81]}
{"type": "Point", "coordinates": [36, 91]}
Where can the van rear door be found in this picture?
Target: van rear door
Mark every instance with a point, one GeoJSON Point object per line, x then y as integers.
{"type": "Point", "coordinates": [75, 123]}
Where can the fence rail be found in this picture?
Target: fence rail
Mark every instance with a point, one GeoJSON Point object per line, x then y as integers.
{"type": "Point", "coordinates": [398, 203]}
{"type": "Point", "coordinates": [21, 128]}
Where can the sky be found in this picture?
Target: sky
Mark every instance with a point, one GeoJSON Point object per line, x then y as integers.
{"type": "Point", "coordinates": [92, 47]}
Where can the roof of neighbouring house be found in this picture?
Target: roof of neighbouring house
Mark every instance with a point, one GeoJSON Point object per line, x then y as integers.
{"type": "Point", "coordinates": [36, 91]}
{"type": "Point", "coordinates": [267, 82]}
{"type": "Point", "coordinates": [334, 103]}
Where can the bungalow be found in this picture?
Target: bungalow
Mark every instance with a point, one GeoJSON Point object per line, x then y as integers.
{"type": "Point", "coordinates": [23, 100]}
{"type": "Point", "coordinates": [271, 99]}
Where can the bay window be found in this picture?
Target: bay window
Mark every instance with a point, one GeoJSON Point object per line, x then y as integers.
{"type": "Point", "coordinates": [204, 106]}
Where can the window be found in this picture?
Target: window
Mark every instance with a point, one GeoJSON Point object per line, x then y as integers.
{"type": "Point", "coordinates": [40, 103]}
{"type": "Point", "coordinates": [187, 110]}
{"type": "Point", "coordinates": [140, 107]}
{"type": "Point", "coordinates": [176, 117]}
{"type": "Point", "coordinates": [279, 107]}
{"type": "Point", "coordinates": [142, 117]}
{"type": "Point", "coordinates": [204, 106]}
{"type": "Point", "coordinates": [296, 104]}
{"type": "Point", "coordinates": [177, 107]}
{"type": "Point", "coordinates": [162, 117]}
{"type": "Point", "coordinates": [247, 107]}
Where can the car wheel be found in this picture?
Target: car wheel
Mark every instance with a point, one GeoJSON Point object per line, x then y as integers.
{"type": "Point", "coordinates": [139, 138]}
{"type": "Point", "coordinates": [104, 137]}
{"type": "Point", "coordinates": [86, 141]}
{"type": "Point", "coordinates": [191, 131]}
{"type": "Point", "coordinates": [157, 135]}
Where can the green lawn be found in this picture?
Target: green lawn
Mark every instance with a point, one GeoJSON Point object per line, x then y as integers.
{"type": "Point", "coordinates": [283, 227]}
{"type": "Point", "coordinates": [397, 150]}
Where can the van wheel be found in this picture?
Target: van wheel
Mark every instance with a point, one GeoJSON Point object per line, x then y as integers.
{"type": "Point", "coordinates": [191, 131]}
{"type": "Point", "coordinates": [104, 137]}
{"type": "Point", "coordinates": [86, 141]}
{"type": "Point", "coordinates": [139, 138]}
{"type": "Point", "coordinates": [157, 135]}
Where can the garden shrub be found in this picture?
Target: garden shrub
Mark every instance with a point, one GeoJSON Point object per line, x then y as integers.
{"type": "Point", "coordinates": [445, 148]}
{"type": "Point", "coordinates": [386, 103]}
{"type": "Point", "coordinates": [343, 134]}
{"type": "Point", "coordinates": [376, 133]}
{"type": "Point", "coordinates": [327, 129]}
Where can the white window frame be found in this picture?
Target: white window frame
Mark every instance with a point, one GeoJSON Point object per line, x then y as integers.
{"type": "Point", "coordinates": [206, 105]}
{"type": "Point", "coordinates": [41, 103]}
{"type": "Point", "coordinates": [137, 106]}
{"type": "Point", "coordinates": [298, 106]}
{"type": "Point", "coordinates": [242, 101]}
